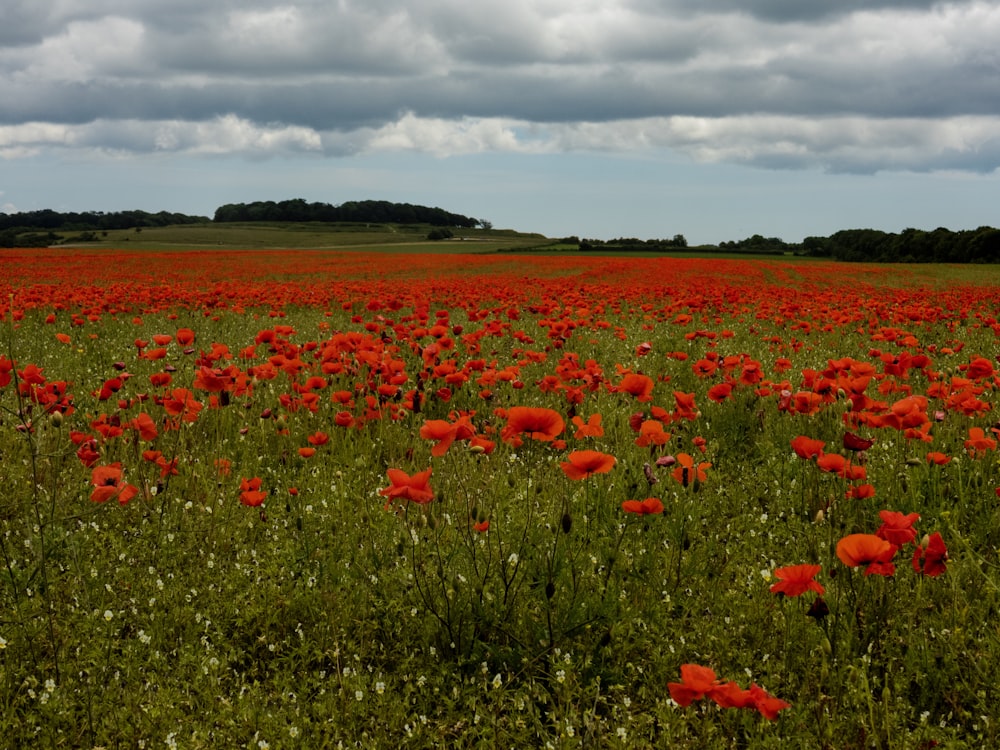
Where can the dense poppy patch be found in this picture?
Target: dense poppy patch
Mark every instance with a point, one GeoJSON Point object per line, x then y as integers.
{"type": "Point", "coordinates": [363, 468]}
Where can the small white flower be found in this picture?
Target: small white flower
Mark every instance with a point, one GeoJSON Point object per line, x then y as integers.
{"type": "Point", "coordinates": [497, 681]}
{"type": "Point", "coordinates": [108, 615]}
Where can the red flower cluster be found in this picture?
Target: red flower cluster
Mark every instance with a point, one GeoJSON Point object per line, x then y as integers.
{"type": "Point", "coordinates": [699, 682]}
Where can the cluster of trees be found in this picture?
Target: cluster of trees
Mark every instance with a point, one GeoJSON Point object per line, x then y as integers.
{"type": "Point", "coordinates": [37, 228]}
{"type": "Point", "coordinates": [633, 244]}
{"type": "Point", "coordinates": [941, 245]}
{"type": "Point", "coordinates": [359, 212]}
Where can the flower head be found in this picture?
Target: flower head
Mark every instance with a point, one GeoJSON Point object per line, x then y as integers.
{"type": "Point", "coordinates": [414, 488]}
{"type": "Point", "coordinates": [796, 580]}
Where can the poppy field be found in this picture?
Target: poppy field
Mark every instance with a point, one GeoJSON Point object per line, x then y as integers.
{"type": "Point", "coordinates": [329, 499]}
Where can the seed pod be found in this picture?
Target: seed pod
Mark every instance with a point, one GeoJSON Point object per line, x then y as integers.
{"type": "Point", "coordinates": [567, 522]}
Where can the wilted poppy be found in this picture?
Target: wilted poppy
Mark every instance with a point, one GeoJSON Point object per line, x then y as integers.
{"type": "Point", "coordinates": [854, 442]}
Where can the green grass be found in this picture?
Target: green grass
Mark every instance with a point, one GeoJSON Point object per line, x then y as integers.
{"type": "Point", "coordinates": [368, 237]}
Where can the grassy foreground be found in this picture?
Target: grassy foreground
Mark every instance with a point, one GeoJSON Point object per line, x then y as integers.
{"type": "Point", "coordinates": [318, 500]}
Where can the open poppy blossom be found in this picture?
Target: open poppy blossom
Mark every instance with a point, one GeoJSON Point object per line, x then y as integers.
{"type": "Point", "coordinates": [537, 423]}
{"type": "Point", "coordinates": [930, 555]}
{"type": "Point", "coordinates": [696, 682]}
{"type": "Point", "coordinates": [700, 682]}
{"type": "Point", "coordinates": [796, 580]}
{"type": "Point", "coordinates": [582, 464]}
{"type": "Point", "coordinates": [807, 447]}
{"type": "Point", "coordinates": [416, 488]}
{"type": "Point", "coordinates": [896, 527]}
{"type": "Point", "coordinates": [591, 428]}
{"type": "Point", "coordinates": [647, 507]}
{"type": "Point", "coordinates": [109, 484]}
{"type": "Point", "coordinates": [250, 492]}
{"type": "Point", "coordinates": [640, 386]}
{"type": "Point", "coordinates": [855, 550]}
{"type": "Point", "coordinates": [686, 472]}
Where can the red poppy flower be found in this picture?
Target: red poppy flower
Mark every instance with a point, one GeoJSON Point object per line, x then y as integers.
{"type": "Point", "coordinates": [480, 444]}
{"type": "Point", "coordinates": [649, 506]}
{"type": "Point", "coordinates": [251, 494]}
{"type": "Point", "coordinates": [931, 555]}
{"type": "Point", "coordinates": [640, 386]}
{"type": "Point", "coordinates": [696, 683]}
{"type": "Point", "coordinates": [767, 705]}
{"type": "Point", "coordinates": [807, 447]}
{"type": "Point", "coordinates": [537, 423]}
{"type": "Point", "coordinates": [833, 463]}
{"type": "Point", "coordinates": [796, 580]}
{"type": "Point", "coordinates": [441, 431]}
{"type": "Point", "coordinates": [937, 458]}
{"type": "Point", "coordinates": [108, 484]}
{"type": "Point", "coordinates": [978, 444]}
{"type": "Point", "coordinates": [591, 428]}
{"type": "Point", "coordinates": [686, 472]}
{"type": "Point", "coordinates": [144, 425]}
{"type": "Point", "coordinates": [854, 442]}
{"type": "Point", "coordinates": [855, 550]}
{"type": "Point", "coordinates": [897, 528]}
{"type": "Point", "coordinates": [651, 433]}
{"type": "Point", "coordinates": [720, 392]}
{"type": "Point", "coordinates": [582, 464]}
{"type": "Point", "coordinates": [416, 488]}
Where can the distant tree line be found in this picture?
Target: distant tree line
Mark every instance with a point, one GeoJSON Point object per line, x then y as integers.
{"type": "Point", "coordinates": [37, 228]}
{"type": "Point", "coordinates": [360, 212]}
{"type": "Point", "coordinates": [941, 245]}
{"type": "Point", "coordinates": [630, 244]}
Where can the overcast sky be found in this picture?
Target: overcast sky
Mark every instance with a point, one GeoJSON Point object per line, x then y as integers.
{"type": "Point", "coordinates": [716, 119]}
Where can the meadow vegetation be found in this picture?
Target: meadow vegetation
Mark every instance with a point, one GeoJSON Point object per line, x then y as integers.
{"type": "Point", "coordinates": [319, 499]}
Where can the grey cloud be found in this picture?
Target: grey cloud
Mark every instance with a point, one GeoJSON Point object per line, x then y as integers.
{"type": "Point", "coordinates": [346, 70]}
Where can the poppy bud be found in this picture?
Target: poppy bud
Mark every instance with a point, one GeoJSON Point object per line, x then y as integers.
{"type": "Point", "coordinates": [56, 419]}
{"type": "Point", "coordinates": [820, 515]}
{"type": "Point", "coordinates": [567, 523]}
{"type": "Point", "coordinates": [666, 461]}
{"type": "Point", "coordinates": [818, 610]}
{"type": "Point", "coordinates": [648, 471]}
{"type": "Point", "coordinates": [550, 590]}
